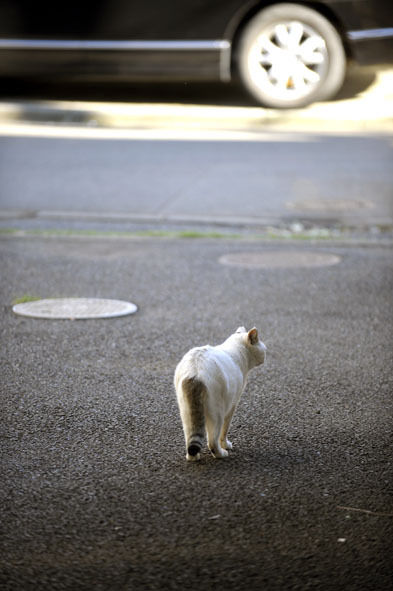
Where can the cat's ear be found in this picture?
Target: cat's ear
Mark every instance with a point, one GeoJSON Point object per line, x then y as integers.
{"type": "Point", "coordinates": [253, 336]}
{"type": "Point", "coordinates": [241, 329]}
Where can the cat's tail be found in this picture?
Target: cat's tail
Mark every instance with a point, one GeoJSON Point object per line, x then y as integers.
{"type": "Point", "coordinates": [194, 393]}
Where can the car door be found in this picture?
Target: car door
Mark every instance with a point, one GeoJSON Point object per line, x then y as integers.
{"type": "Point", "coordinates": [146, 39]}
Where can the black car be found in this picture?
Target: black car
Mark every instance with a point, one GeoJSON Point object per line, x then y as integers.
{"type": "Point", "coordinates": [286, 54]}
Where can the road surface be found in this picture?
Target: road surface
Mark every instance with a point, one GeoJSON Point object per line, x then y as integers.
{"type": "Point", "coordinates": [96, 493]}
{"type": "Point", "coordinates": [308, 177]}
{"type": "Point", "coordinates": [95, 490]}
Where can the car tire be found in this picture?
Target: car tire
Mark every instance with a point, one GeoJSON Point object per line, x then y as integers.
{"type": "Point", "coordinates": [290, 56]}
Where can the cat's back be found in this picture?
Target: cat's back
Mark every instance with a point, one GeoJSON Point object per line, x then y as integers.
{"type": "Point", "coordinates": [207, 363]}
{"type": "Point", "coordinates": [197, 357]}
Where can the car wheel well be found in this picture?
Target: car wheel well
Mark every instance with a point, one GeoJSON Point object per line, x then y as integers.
{"type": "Point", "coordinates": [322, 9]}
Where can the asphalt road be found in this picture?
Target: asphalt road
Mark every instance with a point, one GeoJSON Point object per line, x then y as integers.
{"type": "Point", "coordinates": [95, 489]}
{"type": "Point", "coordinates": [323, 179]}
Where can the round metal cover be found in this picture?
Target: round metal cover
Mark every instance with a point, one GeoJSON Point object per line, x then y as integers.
{"type": "Point", "coordinates": [75, 308]}
{"type": "Point", "coordinates": [282, 259]}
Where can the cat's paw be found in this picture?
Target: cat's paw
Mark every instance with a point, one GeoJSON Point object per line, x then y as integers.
{"type": "Point", "coordinates": [220, 454]}
{"type": "Point", "coordinates": [226, 444]}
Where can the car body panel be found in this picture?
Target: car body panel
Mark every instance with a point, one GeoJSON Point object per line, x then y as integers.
{"type": "Point", "coordinates": [152, 40]}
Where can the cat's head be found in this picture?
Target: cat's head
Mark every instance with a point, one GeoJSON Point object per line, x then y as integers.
{"type": "Point", "coordinates": [255, 348]}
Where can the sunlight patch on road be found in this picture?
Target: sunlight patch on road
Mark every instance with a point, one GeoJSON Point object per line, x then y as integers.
{"type": "Point", "coordinates": [91, 133]}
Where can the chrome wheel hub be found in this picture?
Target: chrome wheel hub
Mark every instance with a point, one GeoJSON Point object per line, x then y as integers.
{"type": "Point", "coordinates": [288, 60]}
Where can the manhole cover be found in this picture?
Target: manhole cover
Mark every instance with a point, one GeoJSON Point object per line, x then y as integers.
{"type": "Point", "coordinates": [330, 205]}
{"type": "Point", "coordinates": [282, 259]}
{"type": "Point", "coordinates": [75, 308]}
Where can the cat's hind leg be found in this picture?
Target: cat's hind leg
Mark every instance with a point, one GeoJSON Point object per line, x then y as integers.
{"type": "Point", "coordinates": [213, 428]}
{"type": "Point", "coordinates": [225, 443]}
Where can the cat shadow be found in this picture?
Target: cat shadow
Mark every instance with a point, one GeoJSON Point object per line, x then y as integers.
{"type": "Point", "coordinates": [259, 460]}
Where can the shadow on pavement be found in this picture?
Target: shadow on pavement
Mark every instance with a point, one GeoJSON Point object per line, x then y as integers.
{"type": "Point", "coordinates": [358, 80]}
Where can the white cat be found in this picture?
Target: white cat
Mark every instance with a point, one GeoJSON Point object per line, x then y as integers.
{"type": "Point", "coordinates": [209, 382]}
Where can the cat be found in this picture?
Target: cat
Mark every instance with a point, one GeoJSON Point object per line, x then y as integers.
{"type": "Point", "coordinates": [209, 382]}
